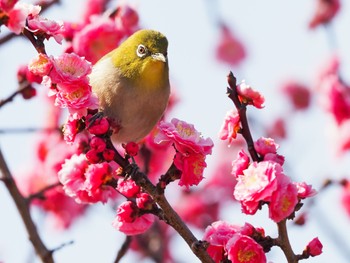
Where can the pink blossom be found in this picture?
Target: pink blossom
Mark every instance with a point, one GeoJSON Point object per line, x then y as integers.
{"type": "Point", "coordinates": [127, 221]}
{"type": "Point", "coordinates": [305, 190]}
{"type": "Point", "coordinates": [218, 234]}
{"type": "Point", "coordinates": [298, 94]}
{"type": "Point", "coordinates": [243, 249]}
{"type": "Point", "coordinates": [70, 68]}
{"type": "Point", "coordinates": [71, 128]}
{"type": "Point", "coordinates": [283, 200]}
{"type": "Point", "coordinates": [274, 157]}
{"type": "Point", "coordinates": [240, 164]}
{"type": "Point", "coordinates": [230, 50]}
{"type": "Point", "coordinates": [345, 197]}
{"type": "Point", "coordinates": [45, 27]}
{"type": "Point", "coordinates": [144, 201]}
{"type": "Point", "coordinates": [338, 99]}
{"type": "Point", "coordinates": [76, 97]}
{"type": "Point", "coordinates": [93, 7]}
{"type": "Point", "coordinates": [277, 129]}
{"type": "Point", "coordinates": [198, 208]}
{"type": "Point", "coordinates": [231, 126]}
{"type": "Point", "coordinates": [97, 175]}
{"type": "Point", "coordinates": [7, 5]}
{"type": "Point", "coordinates": [127, 212]}
{"type": "Point", "coordinates": [250, 96]}
{"type": "Point", "coordinates": [314, 248]}
{"type": "Point", "coordinates": [250, 207]}
{"type": "Point", "coordinates": [343, 137]}
{"type": "Point", "coordinates": [127, 18]}
{"type": "Point", "coordinates": [128, 188]}
{"type": "Point", "coordinates": [185, 137]}
{"type": "Point", "coordinates": [72, 175]}
{"type": "Point", "coordinates": [41, 65]}
{"type": "Point", "coordinates": [191, 166]}
{"type": "Point", "coordinates": [97, 39]}
{"type": "Point", "coordinates": [18, 15]}
{"type": "Point", "coordinates": [257, 182]}
{"type": "Point", "coordinates": [24, 74]}
{"type": "Point", "coordinates": [325, 12]}
{"type": "Point", "coordinates": [264, 146]}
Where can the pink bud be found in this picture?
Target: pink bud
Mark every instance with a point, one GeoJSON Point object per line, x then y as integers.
{"type": "Point", "coordinates": [98, 144]}
{"type": "Point", "coordinates": [93, 156]}
{"type": "Point", "coordinates": [131, 148]}
{"type": "Point", "coordinates": [314, 248]}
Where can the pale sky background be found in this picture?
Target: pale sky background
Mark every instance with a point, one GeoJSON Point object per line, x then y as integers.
{"type": "Point", "coordinates": [279, 46]}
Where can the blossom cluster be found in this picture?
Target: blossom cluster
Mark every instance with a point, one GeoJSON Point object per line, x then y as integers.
{"type": "Point", "coordinates": [191, 149]}
{"type": "Point", "coordinates": [264, 182]}
{"type": "Point", "coordinates": [234, 242]}
{"type": "Point", "coordinates": [18, 16]}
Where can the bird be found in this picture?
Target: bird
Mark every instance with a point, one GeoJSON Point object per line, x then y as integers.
{"type": "Point", "coordinates": [132, 84]}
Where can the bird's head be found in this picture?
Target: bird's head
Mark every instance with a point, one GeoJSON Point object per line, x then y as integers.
{"type": "Point", "coordinates": [142, 58]}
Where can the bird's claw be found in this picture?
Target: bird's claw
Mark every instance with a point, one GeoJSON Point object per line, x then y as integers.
{"type": "Point", "coordinates": [94, 118]}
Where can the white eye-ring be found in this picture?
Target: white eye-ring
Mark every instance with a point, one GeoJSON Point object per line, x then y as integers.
{"type": "Point", "coordinates": [141, 51]}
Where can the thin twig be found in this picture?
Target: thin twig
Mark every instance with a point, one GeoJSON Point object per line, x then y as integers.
{"type": "Point", "coordinates": [21, 88]}
{"type": "Point", "coordinates": [123, 249]}
{"type": "Point", "coordinates": [242, 109]}
{"type": "Point", "coordinates": [23, 208]}
{"type": "Point", "coordinates": [41, 194]}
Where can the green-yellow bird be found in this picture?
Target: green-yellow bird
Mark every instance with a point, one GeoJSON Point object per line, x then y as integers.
{"type": "Point", "coordinates": [132, 84]}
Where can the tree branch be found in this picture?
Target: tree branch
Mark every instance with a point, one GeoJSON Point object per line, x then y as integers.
{"type": "Point", "coordinates": [168, 213]}
{"type": "Point", "coordinates": [283, 242]}
{"type": "Point", "coordinates": [242, 111]}
{"type": "Point", "coordinates": [23, 208]}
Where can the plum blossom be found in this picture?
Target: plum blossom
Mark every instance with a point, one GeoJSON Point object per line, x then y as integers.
{"type": "Point", "coordinates": [325, 11]}
{"type": "Point", "coordinates": [298, 94]}
{"type": "Point", "coordinates": [70, 68]}
{"type": "Point", "coordinates": [185, 137]}
{"type": "Point", "coordinates": [18, 14]}
{"type": "Point", "coordinates": [305, 190]}
{"type": "Point", "coordinates": [283, 199]}
{"type": "Point", "coordinates": [229, 50]}
{"type": "Point", "coordinates": [192, 167]}
{"type": "Point", "coordinates": [248, 95]}
{"type": "Point", "coordinates": [85, 182]}
{"type": "Point", "coordinates": [218, 234]}
{"type": "Point", "coordinates": [97, 39]}
{"type": "Point", "coordinates": [231, 126]}
{"type": "Point", "coordinates": [128, 221]}
{"type": "Point", "coordinates": [41, 65]}
{"type": "Point", "coordinates": [240, 164]}
{"type": "Point", "coordinates": [191, 148]}
{"type": "Point", "coordinates": [258, 182]}
{"type": "Point", "coordinates": [241, 249]}
{"type": "Point", "coordinates": [45, 27]}
{"type": "Point", "coordinates": [264, 146]}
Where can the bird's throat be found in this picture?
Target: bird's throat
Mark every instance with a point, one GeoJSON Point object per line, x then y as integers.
{"type": "Point", "coordinates": [154, 75]}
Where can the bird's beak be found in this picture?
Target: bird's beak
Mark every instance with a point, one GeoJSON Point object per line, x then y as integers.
{"type": "Point", "coordinates": [159, 56]}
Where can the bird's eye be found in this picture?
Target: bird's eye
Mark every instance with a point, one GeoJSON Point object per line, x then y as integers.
{"type": "Point", "coordinates": [141, 51]}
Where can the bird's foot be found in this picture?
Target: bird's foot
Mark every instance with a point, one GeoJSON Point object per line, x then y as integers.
{"type": "Point", "coordinates": [97, 116]}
